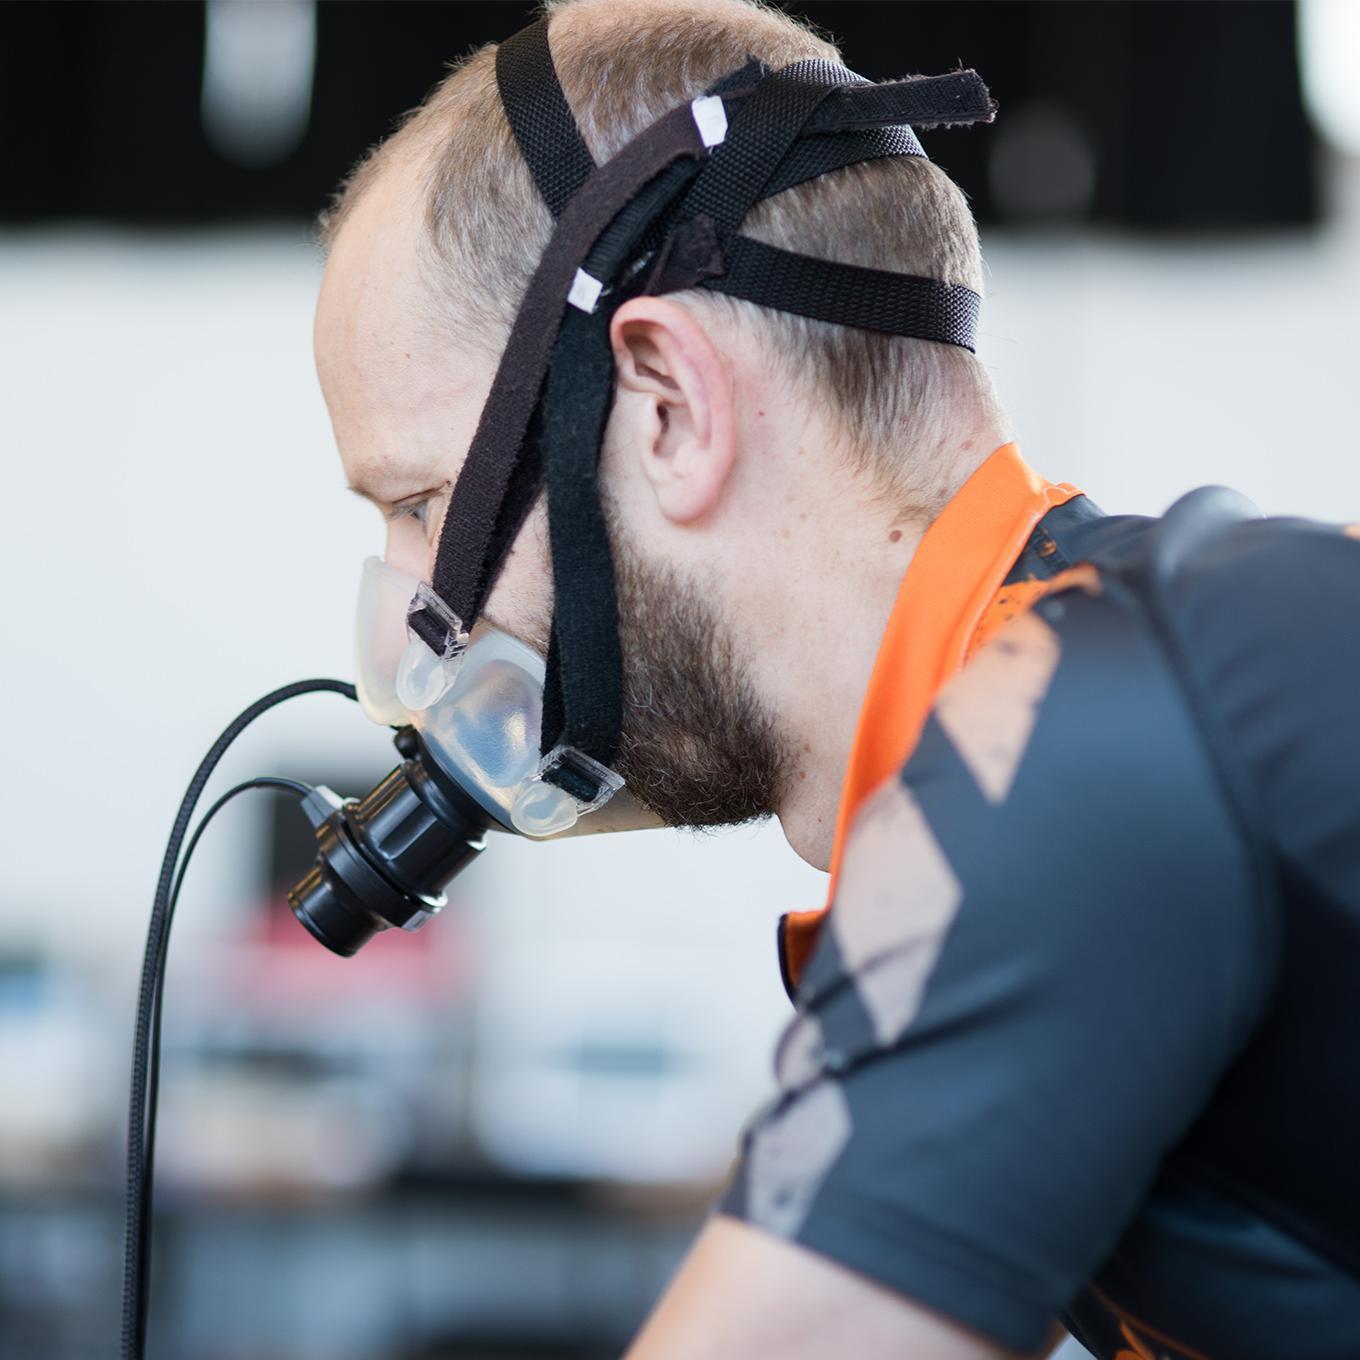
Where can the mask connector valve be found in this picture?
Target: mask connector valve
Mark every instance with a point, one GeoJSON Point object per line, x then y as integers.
{"type": "Point", "coordinates": [384, 860]}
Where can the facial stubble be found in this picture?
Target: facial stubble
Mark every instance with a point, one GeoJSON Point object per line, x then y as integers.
{"type": "Point", "coordinates": [698, 745]}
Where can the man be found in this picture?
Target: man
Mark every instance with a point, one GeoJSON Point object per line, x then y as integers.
{"type": "Point", "coordinates": [1073, 1039]}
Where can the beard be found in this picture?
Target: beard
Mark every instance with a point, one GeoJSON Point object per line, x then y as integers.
{"type": "Point", "coordinates": [697, 745]}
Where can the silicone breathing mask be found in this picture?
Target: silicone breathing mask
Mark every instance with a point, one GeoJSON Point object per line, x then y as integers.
{"type": "Point", "coordinates": [468, 721]}
{"type": "Point", "coordinates": [478, 706]}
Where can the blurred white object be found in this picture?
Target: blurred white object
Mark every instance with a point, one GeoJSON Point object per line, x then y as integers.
{"type": "Point", "coordinates": [627, 1002]}
{"type": "Point", "coordinates": [258, 63]}
{"type": "Point", "coordinates": [612, 1064]}
{"type": "Point", "coordinates": [236, 1131]}
{"type": "Point", "coordinates": [1329, 60]}
{"type": "Point", "coordinates": [56, 1100]}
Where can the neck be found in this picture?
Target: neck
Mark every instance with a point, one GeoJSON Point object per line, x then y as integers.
{"type": "Point", "coordinates": [843, 550]}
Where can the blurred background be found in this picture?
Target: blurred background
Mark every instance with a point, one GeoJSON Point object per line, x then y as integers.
{"type": "Point", "coordinates": [496, 1137]}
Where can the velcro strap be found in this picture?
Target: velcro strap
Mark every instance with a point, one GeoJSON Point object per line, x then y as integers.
{"type": "Point", "coordinates": [763, 127]}
{"type": "Point", "coordinates": [922, 101]}
{"type": "Point", "coordinates": [810, 157]}
{"type": "Point", "coordinates": [583, 703]}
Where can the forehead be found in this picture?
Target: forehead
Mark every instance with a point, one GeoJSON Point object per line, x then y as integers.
{"type": "Point", "coordinates": [403, 396]}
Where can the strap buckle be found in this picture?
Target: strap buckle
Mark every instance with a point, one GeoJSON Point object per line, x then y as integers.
{"type": "Point", "coordinates": [433, 657]}
{"type": "Point", "coordinates": [567, 785]}
{"type": "Point", "coordinates": [588, 782]}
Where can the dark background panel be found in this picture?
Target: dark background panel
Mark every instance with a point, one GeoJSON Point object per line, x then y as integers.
{"type": "Point", "coordinates": [1149, 114]}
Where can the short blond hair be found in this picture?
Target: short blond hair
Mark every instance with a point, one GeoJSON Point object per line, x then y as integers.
{"type": "Point", "coordinates": [622, 64]}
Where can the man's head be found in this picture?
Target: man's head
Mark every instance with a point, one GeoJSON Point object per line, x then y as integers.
{"type": "Point", "coordinates": [738, 436]}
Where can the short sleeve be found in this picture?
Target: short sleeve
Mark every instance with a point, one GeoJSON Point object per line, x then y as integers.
{"type": "Point", "coordinates": [1048, 942]}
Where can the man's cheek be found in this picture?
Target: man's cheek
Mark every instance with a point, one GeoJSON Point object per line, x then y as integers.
{"type": "Point", "coordinates": [522, 596]}
{"type": "Point", "coordinates": [407, 549]}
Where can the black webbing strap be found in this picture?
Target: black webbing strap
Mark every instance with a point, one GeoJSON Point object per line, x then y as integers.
{"type": "Point", "coordinates": [812, 154]}
{"type": "Point", "coordinates": [789, 137]}
{"type": "Point", "coordinates": [583, 699]}
{"type": "Point", "coordinates": [520, 493]}
{"type": "Point", "coordinates": [550, 142]}
{"type": "Point", "coordinates": [761, 130]}
{"type": "Point", "coordinates": [540, 117]}
{"type": "Point", "coordinates": [653, 220]}
{"type": "Point", "coordinates": [848, 295]}
{"type": "Point", "coordinates": [810, 157]}
{"type": "Point", "coordinates": [463, 565]}
{"type": "Point", "coordinates": [844, 126]}
{"type": "Point", "coordinates": [583, 686]}
{"type": "Point", "coordinates": [583, 702]}
{"type": "Point", "coordinates": [857, 121]}
{"type": "Point", "coordinates": [923, 101]}
{"type": "Point", "coordinates": [582, 709]}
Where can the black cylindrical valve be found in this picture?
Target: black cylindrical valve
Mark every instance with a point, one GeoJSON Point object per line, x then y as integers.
{"type": "Point", "coordinates": [385, 859]}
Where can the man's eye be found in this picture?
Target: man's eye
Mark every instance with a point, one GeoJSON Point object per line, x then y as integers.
{"type": "Point", "coordinates": [415, 510]}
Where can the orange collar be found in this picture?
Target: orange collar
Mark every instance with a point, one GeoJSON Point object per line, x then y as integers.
{"type": "Point", "coordinates": [948, 602]}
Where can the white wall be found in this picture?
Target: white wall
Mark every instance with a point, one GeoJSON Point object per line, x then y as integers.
{"type": "Point", "coordinates": [175, 541]}
{"type": "Point", "coordinates": [1140, 369]}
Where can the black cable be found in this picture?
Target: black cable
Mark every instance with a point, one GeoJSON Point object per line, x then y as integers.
{"type": "Point", "coordinates": [146, 1036]}
{"type": "Point", "coordinates": [153, 1070]}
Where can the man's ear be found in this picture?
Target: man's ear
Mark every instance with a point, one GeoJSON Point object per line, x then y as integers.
{"type": "Point", "coordinates": [678, 384]}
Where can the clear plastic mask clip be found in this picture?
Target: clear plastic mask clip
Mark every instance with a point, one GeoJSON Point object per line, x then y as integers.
{"type": "Point", "coordinates": [542, 809]}
{"type": "Point", "coordinates": [434, 651]}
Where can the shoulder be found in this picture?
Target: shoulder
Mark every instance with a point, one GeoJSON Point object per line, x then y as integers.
{"type": "Point", "coordinates": [1213, 567]}
{"type": "Point", "coordinates": [1263, 619]}
{"type": "Point", "coordinates": [1079, 688]}
{"type": "Point", "coordinates": [1061, 817]}
{"type": "Point", "coordinates": [1040, 959]}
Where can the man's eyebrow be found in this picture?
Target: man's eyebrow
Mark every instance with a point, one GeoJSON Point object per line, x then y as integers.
{"type": "Point", "coordinates": [364, 494]}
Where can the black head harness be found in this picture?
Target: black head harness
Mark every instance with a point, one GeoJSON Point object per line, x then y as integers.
{"type": "Point", "coordinates": [661, 215]}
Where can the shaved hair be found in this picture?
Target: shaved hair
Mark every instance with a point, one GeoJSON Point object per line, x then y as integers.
{"type": "Point", "coordinates": [904, 405]}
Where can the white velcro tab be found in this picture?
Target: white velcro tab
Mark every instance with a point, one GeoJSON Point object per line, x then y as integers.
{"type": "Point", "coordinates": [711, 119]}
{"type": "Point", "coordinates": [585, 291]}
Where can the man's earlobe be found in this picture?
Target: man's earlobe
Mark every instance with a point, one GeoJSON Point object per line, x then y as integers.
{"type": "Point", "coordinates": [683, 433]}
